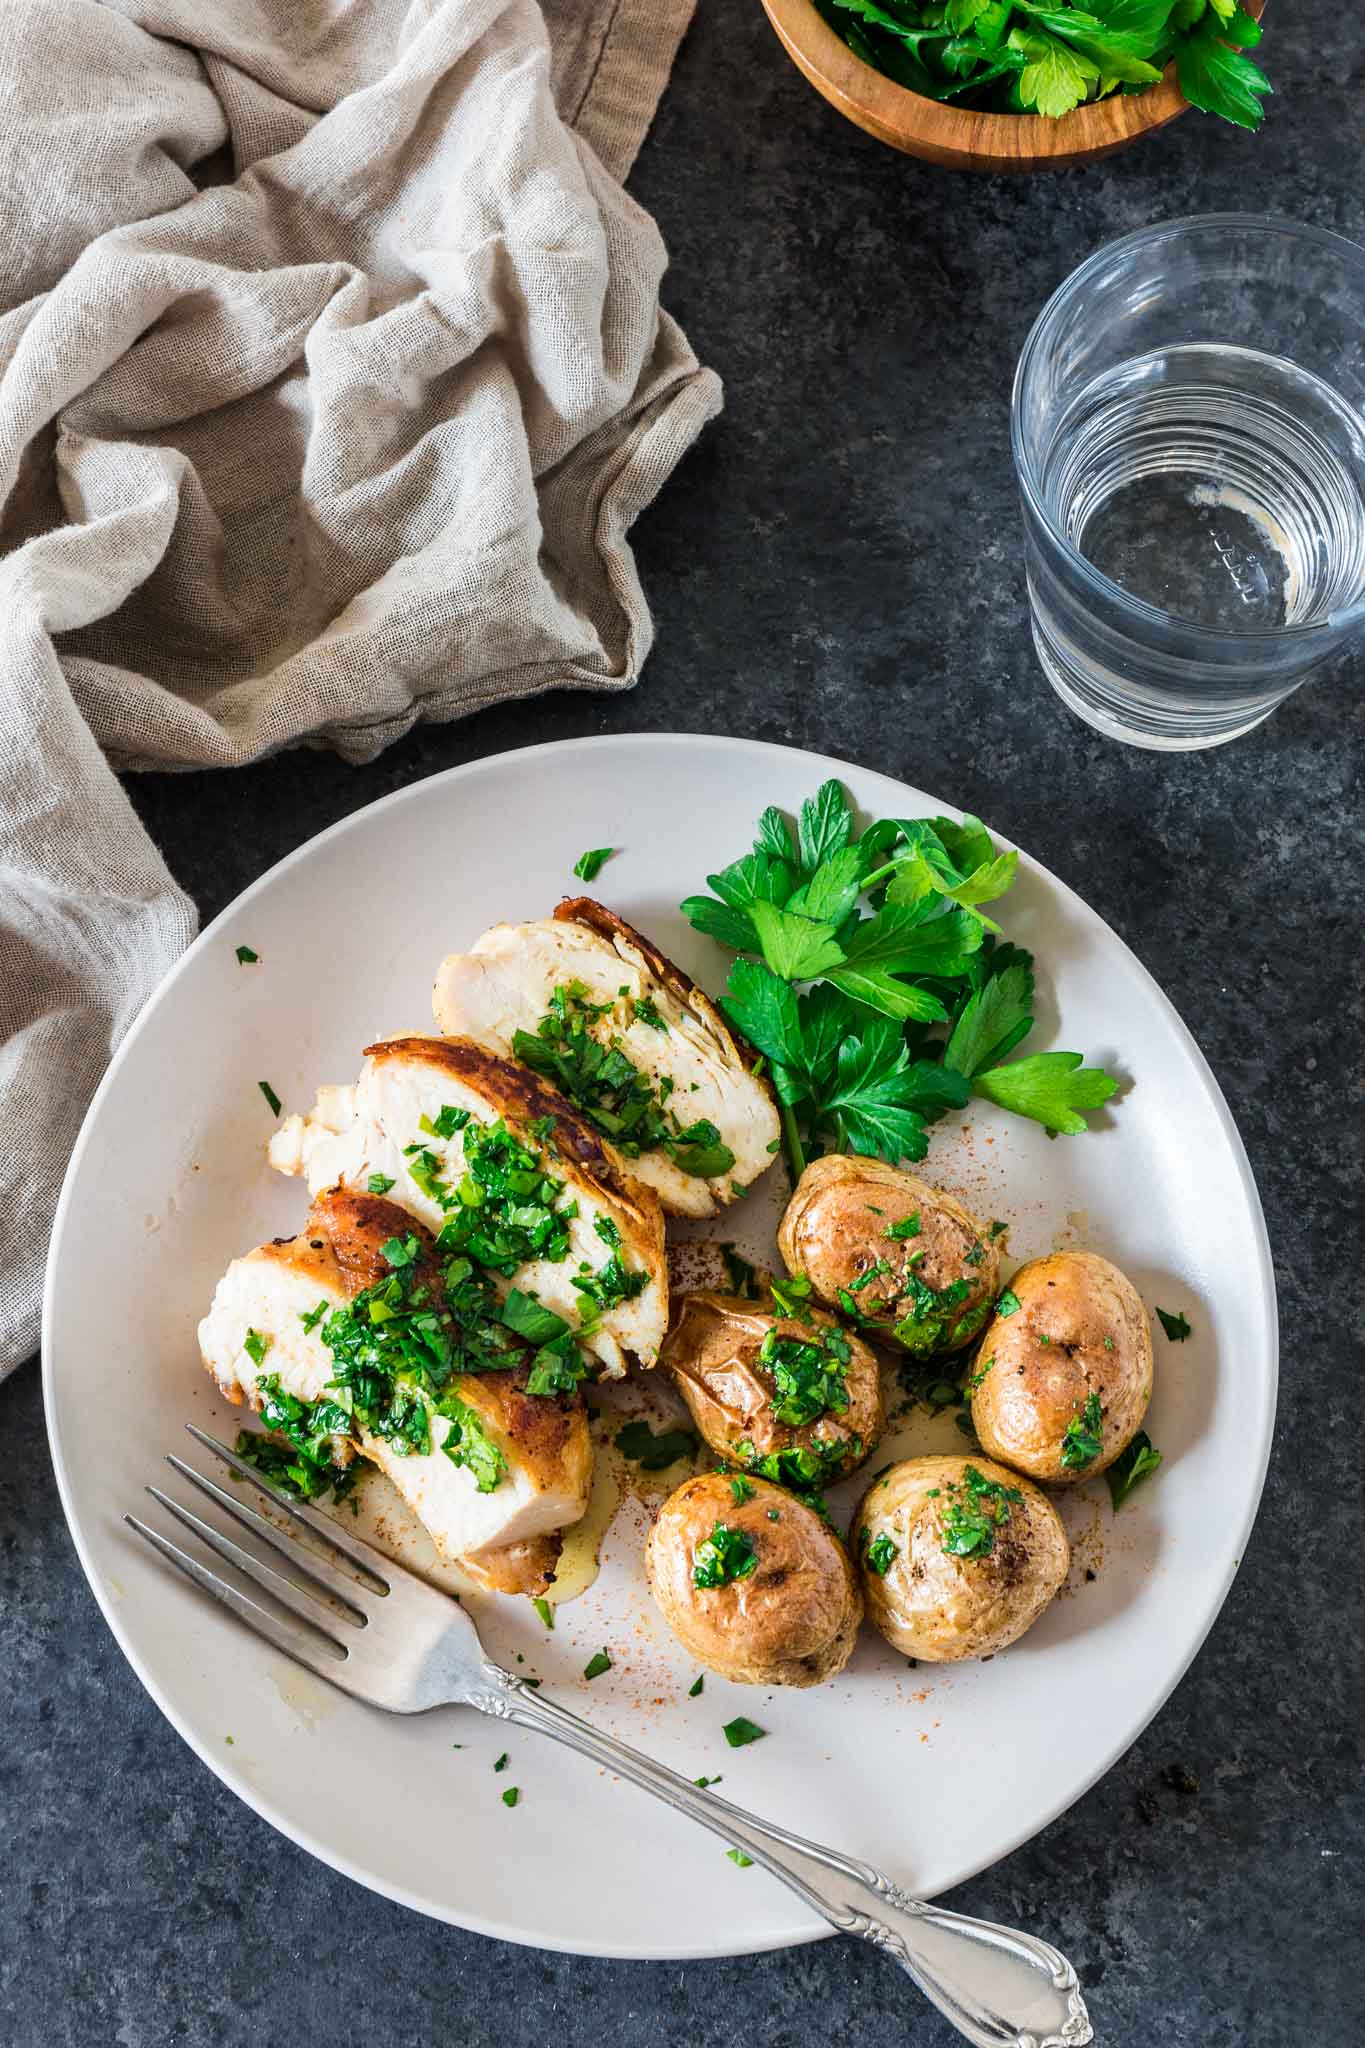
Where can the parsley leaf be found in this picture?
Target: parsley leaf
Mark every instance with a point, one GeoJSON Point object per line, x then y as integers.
{"type": "Point", "coordinates": [992, 1021]}
{"type": "Point", "coordinates": [797, 948]}
{"type": "Point", "coordinates": [880, 1554]}
{"type": "Point", "coordinates": [596, 1665]}
{"type": "Point", "coordinates": [1175, 1326]}
{"type": "Point", "coordinates": [1051, 1087]}
{"type": "Point", "coordinates": [1219, 79]}
{"type": "Point", "coordinates": [245, 957]}
{"type": "Point", "coordinates": [589, 865]}
{"type": "Point", "coordinates": [826, 824]}
{"type": "Point", "coordinates": [271, 1097]}
{"type": "Point", "coordinates": [378, 1184]}
{"type": "Point", "coordinates": [1138, 1462]}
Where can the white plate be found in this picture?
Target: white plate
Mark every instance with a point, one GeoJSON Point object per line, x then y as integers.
{"type": "Point", "coordinates": [933, 1773]}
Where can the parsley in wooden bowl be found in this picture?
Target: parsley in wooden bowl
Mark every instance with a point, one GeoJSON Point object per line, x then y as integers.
{"type": "Point", "coordinates": [1019, 85]}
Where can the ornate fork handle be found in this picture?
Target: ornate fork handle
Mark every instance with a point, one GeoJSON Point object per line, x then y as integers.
{"type": "Point", "coordinates": [999, 1988]}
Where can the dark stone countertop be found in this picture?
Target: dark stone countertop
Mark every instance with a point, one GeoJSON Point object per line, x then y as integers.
{"type": "Point", "coordinates": [837, 566]}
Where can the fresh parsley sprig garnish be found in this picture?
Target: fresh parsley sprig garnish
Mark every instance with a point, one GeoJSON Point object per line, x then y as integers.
{"type": "Point", "coordinates": [875, 984]}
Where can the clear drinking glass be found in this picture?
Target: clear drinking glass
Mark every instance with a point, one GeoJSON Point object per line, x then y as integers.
{"type": "Point", "coordinates": [1189, 436]}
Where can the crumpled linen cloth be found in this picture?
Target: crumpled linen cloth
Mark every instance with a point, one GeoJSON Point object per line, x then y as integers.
{"type": "Point", "coordinates": [332, 376]}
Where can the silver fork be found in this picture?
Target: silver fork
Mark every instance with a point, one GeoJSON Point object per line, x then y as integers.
{"type": "Point", "coordinates": [385, 1636]}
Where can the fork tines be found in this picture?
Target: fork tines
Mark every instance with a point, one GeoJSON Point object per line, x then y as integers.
{"type": "Point", "coordinates": [340, 1601]}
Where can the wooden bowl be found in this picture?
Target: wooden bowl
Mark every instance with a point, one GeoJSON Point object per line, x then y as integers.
{"type": "Point", "coordinates": [950, 135]}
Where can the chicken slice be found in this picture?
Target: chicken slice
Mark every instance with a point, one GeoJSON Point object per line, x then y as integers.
{"type": "Point", "coordinates": [509, 1537]}
{"type": "Point", "coordinates": [394, 1131]}
{"type": "Point", "coordinates": [699, 1070]}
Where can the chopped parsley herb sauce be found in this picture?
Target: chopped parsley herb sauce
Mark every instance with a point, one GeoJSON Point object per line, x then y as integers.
{"type": "Point", "coordinates": [601, 1080]}
{"type": "Point", "coordinates": [910, 1227]}
{"type": "Point", "coordinates": [305, 1465]}
{"type": "Point", "coordinates": [808, 1375]}
{"type": "Point", "coordinates": [1082, 1443]}
{"type": "Point", "coordinates": [725, 1555]}
{"type": "Point", "coordinates": [976, 1508]}
{"type": "Point", "coordinates": [933, 1323]}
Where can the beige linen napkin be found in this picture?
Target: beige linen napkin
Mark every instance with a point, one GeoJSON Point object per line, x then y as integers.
{"type": "Point", "coordinates": [349, 437]}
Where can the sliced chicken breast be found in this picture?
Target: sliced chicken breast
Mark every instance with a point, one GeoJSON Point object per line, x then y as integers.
{"type": "Point", "coordinates": [636, 1004]}
{"type": "Point", "coordinates": [430, 1116]}
{"type": "Point", "coordinates": [508, 1537]}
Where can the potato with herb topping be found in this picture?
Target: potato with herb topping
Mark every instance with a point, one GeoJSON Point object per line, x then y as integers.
{"type": "Point", "coordinates": [798, 1400]}
{"type": "Point", "coordinates": [958, 1556]}
{"type": "Point", "coordinates": [753, 1583]}
{"type": "Point", "coordinates": [909, 1261]}
{"type": "Point", "coordinates": [1064, 1374]}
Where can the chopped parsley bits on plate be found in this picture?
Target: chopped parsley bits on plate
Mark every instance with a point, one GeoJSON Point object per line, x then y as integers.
{"type": "Point", "coordinates": [596, 1665]}
{"type": "Point", "coordinates": [741, 1731]}
{"type": "Point", "coordinates": [511, 1795]}
{"type": "Point", "coordinates": [1137, 1463]}
{"type": "Point", "coordinates": [589, 865]}
{"type": "Point", "coordinates": [246, 957]}
{"type": "Point", "coordinates": [271, 1097]}
{"type": "Point", "coordinates": [694, 1690]}
{"type": "Point", "coordinates": [1175, 1326]}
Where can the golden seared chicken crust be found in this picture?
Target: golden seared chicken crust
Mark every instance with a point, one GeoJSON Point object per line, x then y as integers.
{"type": "Point", "coordinates": [792, 1620]}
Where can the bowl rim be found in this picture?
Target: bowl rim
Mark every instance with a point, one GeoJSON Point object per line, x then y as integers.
{"type": "Point", "coordinates": [1057, 305]}
{"type": "Point", "coordinates": [1091, 129]}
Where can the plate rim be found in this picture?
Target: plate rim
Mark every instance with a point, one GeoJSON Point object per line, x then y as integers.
{"type": "Point", "coordinates": [223, 1768]}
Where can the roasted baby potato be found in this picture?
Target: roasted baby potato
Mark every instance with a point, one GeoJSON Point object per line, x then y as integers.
{"type": "Point", "coordinates": [1064, 1379]}
{"type": "Point", "coordinates": [759, 1589]}
{"type": "Point", "coordinates": [958, 1556]}
{"type": "Point", "coordinates": [800, 1401]}
{"type": "Point", "coordinates": [911, 1261]}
